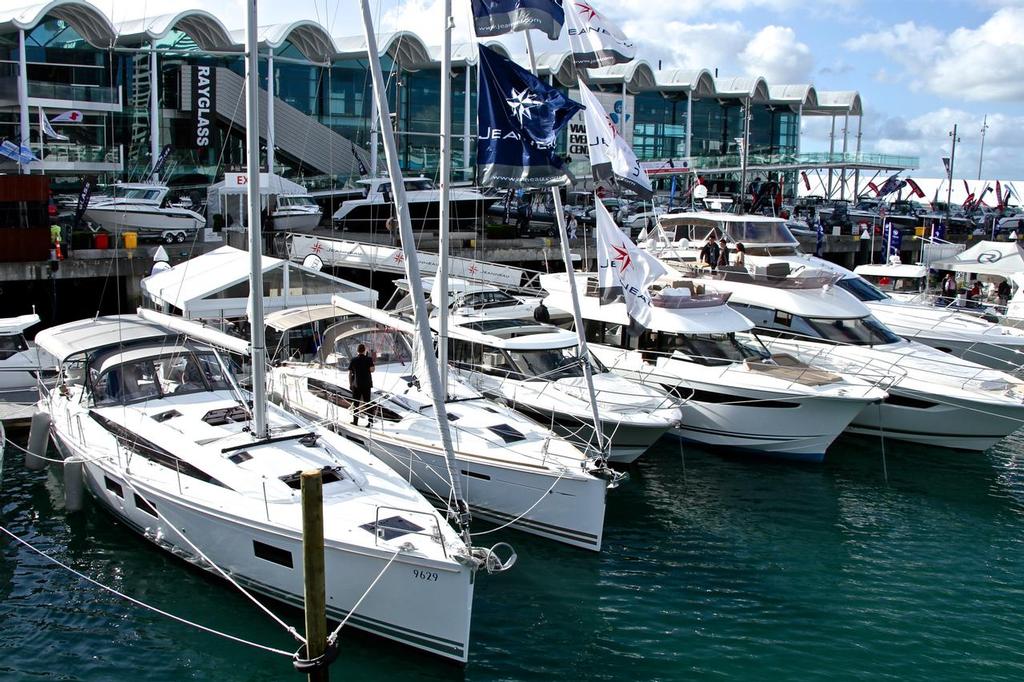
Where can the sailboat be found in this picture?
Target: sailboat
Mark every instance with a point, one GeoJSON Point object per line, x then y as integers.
{"type": "Point", "coordinates": [172, 447]}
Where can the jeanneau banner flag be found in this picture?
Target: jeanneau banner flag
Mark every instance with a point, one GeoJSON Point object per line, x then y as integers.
{"type": "Point", "coordinates": [595, 41]}
{"type": "Point", "coordinates": [624, 269]}
{"type": "Point", "coordinates": [518, 121]}
{"type": "Point", "coordinates": [497, 17]}
{"type": "Point", "coordinates": [612, 161]}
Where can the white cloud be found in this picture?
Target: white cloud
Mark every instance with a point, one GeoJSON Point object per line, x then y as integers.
{"type": "Point", "coordinates": [986, 63]}
{"type": "Point", "coordinates": [775, 53]}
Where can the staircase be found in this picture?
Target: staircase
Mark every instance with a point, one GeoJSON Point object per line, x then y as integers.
{"type": "Point", "coordinates": [318, 148]}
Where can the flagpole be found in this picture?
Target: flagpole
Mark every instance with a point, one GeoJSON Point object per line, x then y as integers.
{"type": "Point", "coordinates": [412, 268]}
{"type": "Point", "coordinates": [577, 316]}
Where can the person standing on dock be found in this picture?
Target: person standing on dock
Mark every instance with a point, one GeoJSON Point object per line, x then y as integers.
{"type": "Point", "coordinates": [360, 382]}
{"type": "Point", "coordinates": [948, 288]}
{"type": "Point", "coordinates": [709, 253]}
{"type": "Point", "coordinates": [723, 253]}
{"type": "Point", "coordinates": [571, 226]}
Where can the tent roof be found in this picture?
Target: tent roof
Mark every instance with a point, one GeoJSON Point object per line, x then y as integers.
{"type": "Point", "coordinates": [986, 258]}
{"type": "Point", "coordinates": [698, 82]}
{"type": "Point", "coordinates": [201, 276]}
{"type": "Point", "coordinates": [88, 21]}
{"type": "Point", "coordinates": [636, 74]}
{"type": "Point", "coordinates": [269, 184]}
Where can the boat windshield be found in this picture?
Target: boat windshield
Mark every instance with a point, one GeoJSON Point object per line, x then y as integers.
{"type": "Point", "coordinates": [481, 300]}
{"type": "Point", "coordinates": [156, 376]}
{"type": "Point", "coordinates": [143, 194]}
{"type": "Point", "coordinates": [704, 349]}
{"type": "Point", "coordinates": [419, 184]}
{"type": "Point", "coordinates": [857, 331]}
{"type": "Point", "coordinates": [383, 345]}
{"type": "Point", "coordinates": [551, 363]}
{"type": "Point", "coordinates": [862, 289]}
{"type": "Point", "coordinates": [759, 232]}
{"type": "Point", "coordinates": [11, 344]}
{"type": "Point", "coordinates": [295, 201]}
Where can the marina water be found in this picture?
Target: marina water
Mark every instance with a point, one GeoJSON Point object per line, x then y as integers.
{"type": "Point", "coordinates": [714, 567]}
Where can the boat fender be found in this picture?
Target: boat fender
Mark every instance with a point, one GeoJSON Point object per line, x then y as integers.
{"type": "Point", "coordinates": [74, 483]}
{"type": "Point", "coordinates": [38, 440]}
{"type": "Point", "coordinates": [307, 666]}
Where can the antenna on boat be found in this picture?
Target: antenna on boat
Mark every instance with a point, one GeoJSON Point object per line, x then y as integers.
{"type": "Point", "coordinates": [412, 270]}
{"type": "Point", "coordinates": [257, 334]}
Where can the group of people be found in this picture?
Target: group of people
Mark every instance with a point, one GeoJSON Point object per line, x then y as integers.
{"type": "Point", "coordinates": [715, 254]}
{"type": "Point", "coordinates": [950, 289]}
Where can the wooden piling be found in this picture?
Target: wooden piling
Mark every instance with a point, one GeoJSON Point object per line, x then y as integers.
{"type": "Point", "coordinates": [313, 569]}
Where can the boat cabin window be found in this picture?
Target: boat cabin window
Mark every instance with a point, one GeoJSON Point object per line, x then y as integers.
{"type": "Point", "coordinates": [383, 345]}
{"type": "Point", "coordinates": [859, 331]}
{"type": "Point", "coordinates": [703, 349]}
{"type": "Point", "coordinates": [478, 358]}
{"type": "Point", "coordinates": [552, 363]}
{"type": "Point", "coordinates": [603, 332]}
{"type": "Point", "coordinates": [863, 290]}
{"type": "Point", "coordinates": [12, 344]}
{"type": "Point", "coordinates": [481, 300]}
{"type": "Point", "coordinates": [154, 377]}
{"type": "Point", "coordinates": [418, 185]}
{"type": "Point", "coordinates": [298, 200]}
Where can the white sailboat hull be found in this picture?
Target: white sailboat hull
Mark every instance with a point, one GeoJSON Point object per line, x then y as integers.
{"type": "Point", "coordinates": [403, 606]}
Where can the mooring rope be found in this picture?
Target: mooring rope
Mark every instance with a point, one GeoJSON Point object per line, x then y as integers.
{"type": "Point", "coordinates": [144, 605]}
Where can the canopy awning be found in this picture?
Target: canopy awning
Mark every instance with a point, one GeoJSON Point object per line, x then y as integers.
{"type": "Point", "coordinates": [216, 286]}
{"type": "Point", "coordinates": [1001, 259]}
{"type": "Point", "coordinates": [16, 325]}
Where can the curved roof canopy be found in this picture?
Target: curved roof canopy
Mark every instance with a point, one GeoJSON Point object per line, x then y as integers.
{"type": "Point", "coordinates": [699, 82]}
{"type": "Point", "coordinates": [89, 22]}
{"type": "Point", "coordinates": [466, 53]}
{"type": "Point", "coordinates": [558, 64]}
{"type": "Point", "coordinates": [308, 37]}
{"type": "Point", "coordinates": [204, 28]}
{"type": "Point", "coordinates": [836, 103]}
{"type": "Point", "coordinates": [742, 87]}
{"type": "Point", "coordinates": [794, 95]}
{"type": "Point", "coordinates": [404, 47]}
{"type": "Point", "coordinates": [637, 75]}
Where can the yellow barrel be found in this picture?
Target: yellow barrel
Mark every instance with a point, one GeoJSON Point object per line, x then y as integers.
{"type": "Point", "coordinates": [131, 240]}
{"type": "Point", "coordinates": [919, 230]}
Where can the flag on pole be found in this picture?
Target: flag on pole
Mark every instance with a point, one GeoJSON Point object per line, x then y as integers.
{"type": "Point", "coordinates": [893, 239]}
{"type": "Point", "coordinates": [362, 166]}
{"type": "Point", "coordinates": [594, 41]}
{"type": "Point", "coordinates": [624, 269]}
{"type": "Point", "coordinates": [70, 116]}
{"type": "Point", "coordinates": [19, 154]}
{"type": "Point", "coordinates": [160, 161]}
{"type": "Point", "coordinates": [1000, 202]}
{"type": "Point", "coordinates": [891, 185]}
{"type": "Point", "coordinates": [45, 127]}
{"type": "Point", "coordinates": [945, 163]}
{"type": "Point", "coordinates": [612, 161]}
{"type": "Point", "coordinates": [518, 121]}
{"type": "Point", "coordinates": [497, 17]}
{"type": "Point", "coordinates": [873, 187]}
{"type": "Point", "coordinates": [807, 182]}
{"type": "Point", "coordinates": [915, 188]}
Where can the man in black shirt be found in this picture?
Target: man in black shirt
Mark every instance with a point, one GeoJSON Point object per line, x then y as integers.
{"type": "Point", "coordinates": [360, 381]}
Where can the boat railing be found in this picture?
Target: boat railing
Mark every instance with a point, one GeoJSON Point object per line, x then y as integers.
{"type": "Point", "coordinates": [380, 529]}
{"type": "Point", "coordinates": [883, 367]}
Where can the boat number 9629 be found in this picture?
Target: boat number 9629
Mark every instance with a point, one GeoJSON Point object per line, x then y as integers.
{"type": "Point", "coordinates": [427, 576]}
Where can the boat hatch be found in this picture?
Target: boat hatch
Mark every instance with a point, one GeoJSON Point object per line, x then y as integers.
{"type": "Point", "coordinates": [226, 415]}
{"type": "Point", "coordinates": [329, 475]}
{"type": "Point", "coordinates": [391, 527]}
{"type": "Point", "coordinates": [509, 434]}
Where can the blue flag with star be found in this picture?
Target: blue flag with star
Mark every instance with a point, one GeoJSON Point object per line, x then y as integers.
{"type": "Point", "coordinates": [497, 17]}
{"type": "Point", "coordinates": [518, 121]}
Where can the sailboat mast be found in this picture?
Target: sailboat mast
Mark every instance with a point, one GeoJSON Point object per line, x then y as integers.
{"type": "Point", "coordinates": [577, 316]}
{"type": "Point", "coordinates": [257, 339]}
{"type": "Point", "coordinates": [412, 266]}
{"type": "Point", "coordinates": [444, 209]}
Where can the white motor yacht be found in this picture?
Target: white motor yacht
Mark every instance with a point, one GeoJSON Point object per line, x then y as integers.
{"type": "Point", "coordinates": [536, 369]}
{"type": "Point", "coordinates": [296, 212]}
{"type": "Point", "coordinates": [164, 436]}
{"type": "Point", "coordinates": [934, 397]}
{"type": "Point", "coordinates": [512, 470]}
{"type": "Point", "coordinates": [143, 208]}
{"type": "Point", "coordinates": [22, 363]}
{"type": "Point", "coordinates": [768, 240]}
{"type": "Point", "coordinates": [372, 210]}
{"type": "Point", "coordinates": [737, 395]}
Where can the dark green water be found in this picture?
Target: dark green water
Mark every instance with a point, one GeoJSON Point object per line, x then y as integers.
{"type": "Point", "coordinates": [733, 568]}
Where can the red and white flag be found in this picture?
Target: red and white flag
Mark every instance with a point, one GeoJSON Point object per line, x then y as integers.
{"type": "Point", "coordinates": [915, 188]}
{"type": "Point", "coordinates": [45, 127]}
{"type": "Point", "coordinates": [71, 116]}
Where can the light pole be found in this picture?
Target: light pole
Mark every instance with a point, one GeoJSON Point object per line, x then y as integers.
{"type": "Point", "coordinates": [981, 155]}
{"type": "Point", "coordinates": [949, 184]}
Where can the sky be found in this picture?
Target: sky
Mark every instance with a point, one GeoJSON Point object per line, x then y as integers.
{"type": "Point", "coordinates": [920, 66]}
